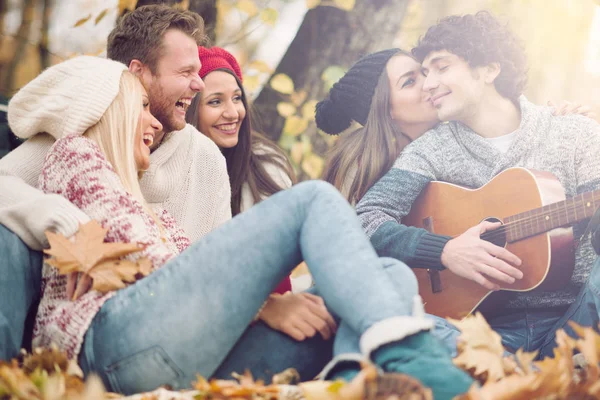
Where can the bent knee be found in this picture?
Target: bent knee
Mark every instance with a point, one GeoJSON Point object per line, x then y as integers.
{"type": "Point", "coordinates": [401, 274]}
{"type": "Point", "coordinates": [319, 188]}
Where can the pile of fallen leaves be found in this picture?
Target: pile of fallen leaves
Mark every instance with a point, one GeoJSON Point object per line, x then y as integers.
{"type": "Point", "coordinates": [47, 375]}
{"type": "Point", "coordinates": [519, 377]}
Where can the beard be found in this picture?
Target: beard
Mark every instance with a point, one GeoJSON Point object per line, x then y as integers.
{"type": "Point", "coordinates": [163, 109]}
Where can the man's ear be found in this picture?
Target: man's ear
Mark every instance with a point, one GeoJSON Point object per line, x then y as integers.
{"type": "Point", "coordinates": [491, 72]}
{"type": "Point", "coordinates": [137, 67]}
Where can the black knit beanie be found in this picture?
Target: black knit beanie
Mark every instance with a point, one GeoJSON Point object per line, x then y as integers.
{"type": "Point", "coordinates": [350, 98]}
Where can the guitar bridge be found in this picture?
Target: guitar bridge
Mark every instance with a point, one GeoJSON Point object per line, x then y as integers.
{"type": "Point", "coordinates": [434, 275]}
{"type": "Point", "coordinates": [435, 280]}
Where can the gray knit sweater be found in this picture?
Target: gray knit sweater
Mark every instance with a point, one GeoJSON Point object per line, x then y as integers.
{"type": "Point", "coordinates": [567, 146]}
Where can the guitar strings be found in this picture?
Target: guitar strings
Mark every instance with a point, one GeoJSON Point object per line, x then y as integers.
{"type": "Point", "coordinates": [523, 224]}
{"type": "Point", "coordinates": [529, 221]}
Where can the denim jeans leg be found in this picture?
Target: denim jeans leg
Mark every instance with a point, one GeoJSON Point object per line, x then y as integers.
{"type": "Point", "coordinates": [186, 317]}
{"type": "Point", "coordinates": [264, 352]}
{"type": "Point", "coordinates": [20, 277]}
{"type": "Point", "coordinates": [404, 281]}
{"type": "Point", "coordinates": [584, 311]}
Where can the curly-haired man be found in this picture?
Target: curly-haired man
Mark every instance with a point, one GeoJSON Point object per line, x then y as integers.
{"type": "Point", "coordinates": [475, 75]}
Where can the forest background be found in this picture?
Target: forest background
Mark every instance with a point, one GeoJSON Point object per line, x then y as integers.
{"type": "Point", "coordinates": [292, 51]}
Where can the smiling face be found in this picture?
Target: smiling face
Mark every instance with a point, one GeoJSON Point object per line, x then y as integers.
{"type": "Point", "coordinates": [221, 110]}
{"type": "Point", "coordinates": [175, 82]}
{"type": "Point", "coordinates": [145, 134]}
{"type": "Point", "coordinates": [456, 89]}
{"type": "Point", "coordinates": [410, 106]}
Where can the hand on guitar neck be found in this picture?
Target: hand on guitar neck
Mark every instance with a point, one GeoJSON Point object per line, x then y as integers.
{"type": "Point", "coordinates": [471, 257]}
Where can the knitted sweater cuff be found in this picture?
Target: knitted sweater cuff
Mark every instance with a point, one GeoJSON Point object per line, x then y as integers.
{"type": "Point", "coordinates": [31, 219]}
{"type": "Point", "coordinates": [428, 253]}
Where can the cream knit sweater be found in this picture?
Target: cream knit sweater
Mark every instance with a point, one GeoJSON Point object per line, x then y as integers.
{"type": "Point", "coordinates": [187, 177]}
{"type": "Point", "coordinates": [278, 174]}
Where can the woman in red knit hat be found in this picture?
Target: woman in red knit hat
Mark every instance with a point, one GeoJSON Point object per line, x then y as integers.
{"type": "Point", "coordinates": [257, 167]}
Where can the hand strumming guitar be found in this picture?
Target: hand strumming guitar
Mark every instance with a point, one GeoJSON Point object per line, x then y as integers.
{"type": "Point", "coordinates": [473, 258]}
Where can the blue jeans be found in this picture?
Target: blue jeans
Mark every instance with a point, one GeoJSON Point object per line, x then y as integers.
{"type": "Point", "coordinates": [20, 278]}
{"type": "Point", "coordinates": [535, 329]}
{"type": "Point", "coordinates": [193, 315]}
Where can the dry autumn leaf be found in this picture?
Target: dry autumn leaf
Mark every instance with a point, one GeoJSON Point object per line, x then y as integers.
{"type": "Point", "coordinates": [89, 254]}
{"type": "Point", "coordinates": [480, 349]}
{"type": "Point", "coordinates": [82, 21]}
{"type": "Point", "coordinates": [101, 16]}
{"type": "Point", "coordinates": [286, 109]}
{"type": "Point", "coordinates": [126, 5]}
{"type": "Point", "coordinates": [282, 84]}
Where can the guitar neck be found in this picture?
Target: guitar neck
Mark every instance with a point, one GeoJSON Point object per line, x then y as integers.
{"type": "Point", "coordinates": [552, 216]}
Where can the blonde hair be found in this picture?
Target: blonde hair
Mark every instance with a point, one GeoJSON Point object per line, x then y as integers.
{"type": "Point", "coordinates": [115, 134]}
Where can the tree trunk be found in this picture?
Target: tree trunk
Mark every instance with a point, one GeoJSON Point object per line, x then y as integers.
{"type": "Point", "coordinates": [43, 45]}
{"type": "Point", "coordinates": [206, 8]}
{"type": "Point", "coordinates": [22, 38]}
{"type": "Point", "coordinates": [329, 36]}
{"type": "Point", "coordinates": [3, 9]}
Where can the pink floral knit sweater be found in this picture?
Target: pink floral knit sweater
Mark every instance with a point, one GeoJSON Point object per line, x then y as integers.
{"type": "Point", "coordinates": [76, 169]}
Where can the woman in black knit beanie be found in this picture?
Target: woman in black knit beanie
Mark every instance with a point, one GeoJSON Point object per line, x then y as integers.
{"type": "Point", "coordinates": [383, 93]}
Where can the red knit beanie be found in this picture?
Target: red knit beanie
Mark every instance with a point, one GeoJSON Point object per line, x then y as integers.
{"type": "Point", "coordinates": [216, 58]}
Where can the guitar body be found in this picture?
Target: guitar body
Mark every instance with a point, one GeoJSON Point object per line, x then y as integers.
{"type": "Point", "coordinates": [547, 259]}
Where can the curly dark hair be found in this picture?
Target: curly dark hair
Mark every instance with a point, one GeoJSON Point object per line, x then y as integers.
{"type": "Point", "coordinates": [480, 39]}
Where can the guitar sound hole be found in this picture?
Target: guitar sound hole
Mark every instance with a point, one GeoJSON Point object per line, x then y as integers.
{"type": "Point", "coordinates": [497, 236]}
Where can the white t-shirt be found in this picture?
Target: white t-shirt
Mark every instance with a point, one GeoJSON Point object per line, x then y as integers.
{"type": "Point", "coordinates": [502, 143]}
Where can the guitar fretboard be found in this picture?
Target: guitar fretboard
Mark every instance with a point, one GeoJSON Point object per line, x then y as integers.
{"type": "Point", "coordinates": [552, 216]}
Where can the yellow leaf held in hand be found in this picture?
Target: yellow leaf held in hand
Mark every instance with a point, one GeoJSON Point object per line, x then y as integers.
{"type": "Point", "coordinates": [89, 254]}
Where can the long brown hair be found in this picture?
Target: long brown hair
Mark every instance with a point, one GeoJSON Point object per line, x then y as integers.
{"type": "Point", "coordinates": [359, 159]}
{"type": "Point", "coordinates": [246, 161]}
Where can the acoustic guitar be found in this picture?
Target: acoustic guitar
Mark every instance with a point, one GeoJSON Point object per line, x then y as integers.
{"type": "Point", "coordinates": [536, 226]}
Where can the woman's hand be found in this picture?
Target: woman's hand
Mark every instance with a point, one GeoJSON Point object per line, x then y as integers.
{"type": "Point", "coordinates": [299, 315]}
{"type": "Point", "coordinates": [566, 108]}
